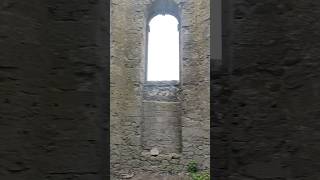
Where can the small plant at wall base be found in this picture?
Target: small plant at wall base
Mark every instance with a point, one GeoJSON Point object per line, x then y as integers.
{"type": "Point", "coordinates": [200, 176]}
{"type": "Point", "coordinates": [194, 172]}
{"type": "Point", "coordinates": [192, 167]}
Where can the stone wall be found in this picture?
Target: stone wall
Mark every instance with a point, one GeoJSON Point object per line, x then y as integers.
{"type": "Point", "coordinates": [53, 90]}
{"type": "Point", "coordinates": [126, 90]}
{"type": "Point", "coordinates": [140, 113]}
{"type": "Point", "coordinates": [161, 117]}
{"type": "Point", "coordinates": [195, 85]}
{"type": "Point", "coordinates": [266, 107]}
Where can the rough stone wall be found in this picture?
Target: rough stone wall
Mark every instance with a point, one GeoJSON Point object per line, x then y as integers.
{"type": "Point", "coordinates": [117, 85]}
{"type": "Point", "coordinates": [126, 88]}
{"type": "Point", "coordinates": [128, 106]}
{"type": "Point", "coordinates": [267, 91]}
{"type": "Point", "coordinates": [161, 117]}
{"type": "Point", "coordinates": [195, 83]}
{"type": "Point", "coordinates": [53, 90]}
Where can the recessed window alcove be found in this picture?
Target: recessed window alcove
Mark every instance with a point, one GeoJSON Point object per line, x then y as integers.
{"type": "Point", "coordinates": [161, 125]}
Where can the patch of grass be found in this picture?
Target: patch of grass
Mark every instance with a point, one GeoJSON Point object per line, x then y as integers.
{"type": "Point", "coordinates": [200, 176]}
{"type": "Point", "coordinates": [192, 168]}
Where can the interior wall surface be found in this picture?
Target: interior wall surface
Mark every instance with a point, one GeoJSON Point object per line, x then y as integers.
{"type": "Point", "coordinates": [129, 108]}
{"type": "Point", "coordinates": [53, 90]}
{"type": "Point", "coordinates": [266, 93]}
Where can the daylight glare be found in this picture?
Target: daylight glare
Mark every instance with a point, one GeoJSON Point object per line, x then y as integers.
{"type": "Point", "coordinates": [163, 49]}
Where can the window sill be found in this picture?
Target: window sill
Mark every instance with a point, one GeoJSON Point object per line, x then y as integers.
{"type": "Point", "coordinates": [162, 83]}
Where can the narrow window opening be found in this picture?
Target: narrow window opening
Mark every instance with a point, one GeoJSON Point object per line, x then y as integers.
{"type": "Point", "coordinates": [163, 49]}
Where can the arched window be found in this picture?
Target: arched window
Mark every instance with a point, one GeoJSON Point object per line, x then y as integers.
{"type": "Point", "coordinates": [163, 49]}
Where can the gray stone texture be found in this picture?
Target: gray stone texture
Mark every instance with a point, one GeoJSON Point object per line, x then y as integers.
{"type": "Point", "coordinates": [53, 90]}
{"type": "Point", "coordinates": [161, 126]}
{"type": "Point", "coordinates": [266, 93]}
{"type": "Point", "coordinates": [172, 117]}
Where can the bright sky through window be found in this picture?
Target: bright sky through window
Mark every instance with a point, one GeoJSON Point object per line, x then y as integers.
{"type": "Point", "coordinates": [163, 49]}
